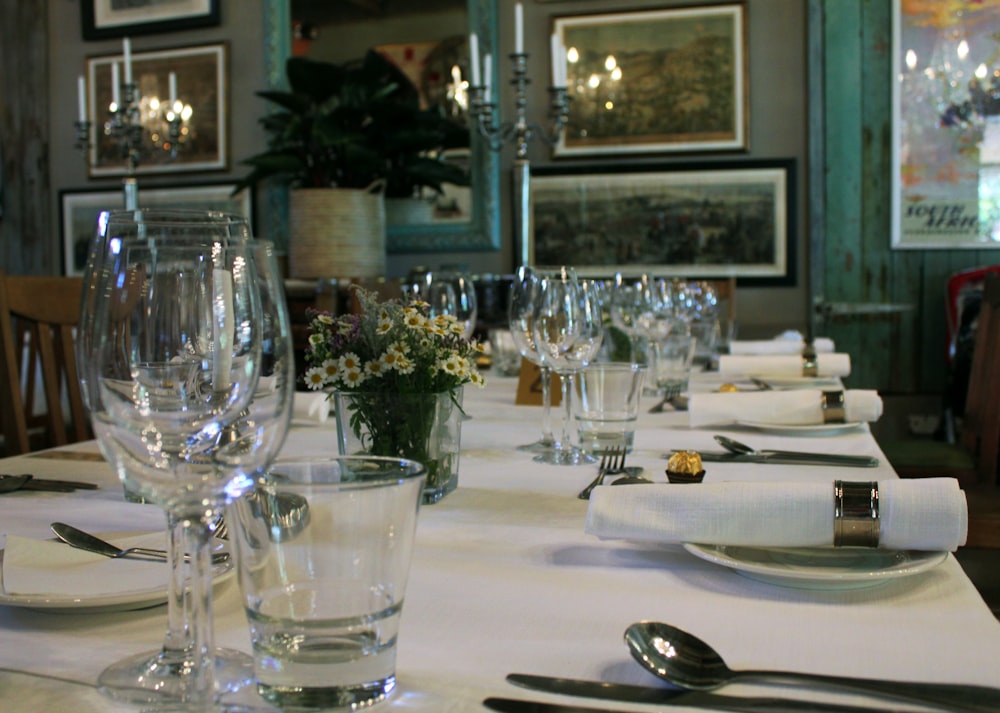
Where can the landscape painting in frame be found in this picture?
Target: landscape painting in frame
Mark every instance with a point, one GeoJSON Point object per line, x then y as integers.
{"type": "Point", "coordinates": [201, 86]}
{"type": "Point", "coordinates": [103, 19]}
{"type": "Point", "coordinates": [698, 220]}
{"type": "Point", "coordinates": [655, 81]}
{"type": "Point", "coordinates": [946, 124]}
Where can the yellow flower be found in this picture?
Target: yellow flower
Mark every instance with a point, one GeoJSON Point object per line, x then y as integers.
{"type": "Point", "coordinates": [404, 365]}
{"type": "Point", "coordinates": [350, 361]}
{"type": "Point", "coordinates": [324, 318]}
{"type": "Point", "coordinates": [384, 326]}
{"type": "Point", "coordinates": [374, 368]}
{"type": "Point", "coordinates": [330, 369]}
{"type": "Point", "coordinates": [315, 378]}
{"type": "Point", "coordinates": [352, 377]}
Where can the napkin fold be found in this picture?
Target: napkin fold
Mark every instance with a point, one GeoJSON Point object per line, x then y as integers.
{"type": "Point", "coordinates": [311, 406]}
{"type": "Point", "coordinates": [797, 407]}
{"type": "Point", "coordinates": [915, 514]}
{"type": "Point", "coordinates": [831, 364]}
{"type": "Point", "coordinates": [778, 345]}
{"type": "Point", "coordinates": [49, 568]}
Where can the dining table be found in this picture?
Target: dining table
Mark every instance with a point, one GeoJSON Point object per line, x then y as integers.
{"type": "Point", "coordinates": [504, 579]}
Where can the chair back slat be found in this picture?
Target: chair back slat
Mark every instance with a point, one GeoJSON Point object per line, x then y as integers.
{"type": "Point", "coordinates": [42, 313]}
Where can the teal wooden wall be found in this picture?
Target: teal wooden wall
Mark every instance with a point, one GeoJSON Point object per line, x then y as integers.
{"type": "Point", "coordinates": [851, 206]}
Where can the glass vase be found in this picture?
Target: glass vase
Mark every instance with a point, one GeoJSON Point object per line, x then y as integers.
{"type": "Point", "coordinates": [425, 427]}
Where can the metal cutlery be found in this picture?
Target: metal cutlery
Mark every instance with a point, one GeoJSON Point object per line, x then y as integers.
{"type": "Point", "coordinates": [789, 458]}
{"type": "Point", "coordinates": [688, 700]}
{"type": "Point", "coordinates": [612, 462]}
{"type": "Point", "coordinates": [76, 537]}
{"type": "Point", "coordinates": [10, 483]}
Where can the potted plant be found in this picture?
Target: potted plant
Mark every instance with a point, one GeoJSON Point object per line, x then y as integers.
{"type": "Point", "coordinates": [345, 135]}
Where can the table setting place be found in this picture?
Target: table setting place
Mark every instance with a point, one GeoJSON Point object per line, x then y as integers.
{"type": "Point", "coordinates": [230, 548]}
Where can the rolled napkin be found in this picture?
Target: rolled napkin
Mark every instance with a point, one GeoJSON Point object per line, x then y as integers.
{"type": "Point", "coordinates": [311, 406]}
{"type": "Point", "coordinates": [778, 345]}
{"type": "Point", "coordinates": [797, 407]}
{"type": "Point", "coordinates": [833, 364]}
{"type": "Point", "coordinates": [46, 567]}
{"type": "Point", "coordinates": [914, 514]}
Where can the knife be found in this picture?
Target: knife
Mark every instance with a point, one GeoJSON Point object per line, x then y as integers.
{"type": "Point", "coordinates": [663, 696]}
{"type": "Point", "coordinates": [695, 699]}
{"type": "Point", "coordinates": [790, 458]}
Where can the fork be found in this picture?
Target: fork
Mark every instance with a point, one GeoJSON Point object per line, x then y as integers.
{"type": "Point", "coordinates": [612, 462]}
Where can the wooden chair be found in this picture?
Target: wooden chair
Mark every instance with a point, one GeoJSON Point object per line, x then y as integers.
{"type": "Point", "coordinates": [38, 316]}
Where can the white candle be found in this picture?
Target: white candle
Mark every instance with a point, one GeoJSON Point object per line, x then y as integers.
{"type": "Point", "coordinates": [488, 77]}
{"type": "Point", "coordinates": [223, 327]}
{"type": "Point", "coordinates": [115, 85]}
{"type": "Point", "coordinates": [127, 51]}
{"type": "Point", "coordinates": [172, 80]}
{"type": "Point", "coordinates": [519, 28]}
{"type": "Point", "coordinates": [474, 59]}
{"type": "Point", "coordinates": [81, 98]}
{"type": "Point", "coordinates": [558, 57]}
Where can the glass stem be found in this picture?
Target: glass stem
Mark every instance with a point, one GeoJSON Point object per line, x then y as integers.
{"type": "Point", "coordinates": [197, 538]}
{"type": "Point", "coordinates": [567, 393]}
{"type": "Point", "coordinates": [178, 638]}
{"type": "Point", "coordinates": [546, 378]}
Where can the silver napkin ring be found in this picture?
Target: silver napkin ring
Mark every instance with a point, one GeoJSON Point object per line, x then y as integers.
{"type": "Point", "coordinates": [810, 361]}
{"type": "Point", "coordinates": [833, 407]}
{"type": "Point", "coordinates": [855, 514]}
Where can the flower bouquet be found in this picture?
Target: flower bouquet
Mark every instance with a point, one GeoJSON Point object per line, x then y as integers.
{"type": "Point", "coordinates": [396, 375]}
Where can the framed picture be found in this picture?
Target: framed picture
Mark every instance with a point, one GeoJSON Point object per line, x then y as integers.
{"type": "Point", "coordinates": [81, 207]}
{"type": "Point", "coordinates": [201, 88]}
{"type": "Point", "coordinates": [946, 125]}
{"type": "Point", "coordinates": [104, 19]}
{"type": "Point", "coordinates": [705, 220]}
{"type": "Point", "coordinates": [655, 81]}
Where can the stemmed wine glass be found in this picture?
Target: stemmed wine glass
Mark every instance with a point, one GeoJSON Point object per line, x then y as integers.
{"type": "Point", "coordinates": [163, 675]}
{"type": "Point", "coordinates": [521, 318]}
{"type": "Point", "coordinates": [191, 354]}
{"type": "Point", "coordinates": [568, 331]}
{"type": "Point", "coordinates": [447, 293]}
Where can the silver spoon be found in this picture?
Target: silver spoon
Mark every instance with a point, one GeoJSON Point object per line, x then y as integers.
{"type": "Point", "coordinates": [686, 661]}
{"type": "Point", "coordinates": [743, 449]}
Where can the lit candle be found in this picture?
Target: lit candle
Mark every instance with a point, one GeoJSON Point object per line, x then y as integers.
{"type": "Point", "coordinates": [172, 80]}
{"type": "Point", "coordinates": [223, 327]}
{"type": "Point", "coordinates": [519, 28]}
{"type": "Point", "coordinates": [488, 77]}
{"type": "Point", "coordinates": [115, 85]}
{"type": "Point", "coordinates": [127, 51]}
{"type": "Point", "coordinates": [81, 98]}
{"type": "Point", "coordinates": [474, 59]}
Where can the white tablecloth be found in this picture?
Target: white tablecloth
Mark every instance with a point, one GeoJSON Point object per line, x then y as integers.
{"type": "Point", "coordinates": [504, 579]}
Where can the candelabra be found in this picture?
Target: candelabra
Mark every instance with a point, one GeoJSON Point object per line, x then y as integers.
{"type": "Point", "coordinates": [483, 110]}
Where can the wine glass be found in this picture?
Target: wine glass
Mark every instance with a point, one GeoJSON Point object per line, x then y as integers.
{"type": "Point", "coordinates": [568, 331]}
{"type": "Point", "coordinates": [521, 319]}
{"type": "Point", "coordinates": [163, 673]}
{"type": "Point", "coordinates": [186, 364]}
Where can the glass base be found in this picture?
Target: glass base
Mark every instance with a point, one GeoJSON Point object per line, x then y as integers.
{"type": "Point", "coordinates": [542, 445]}
{"type": "Point", "coordinates": [565, 456]}
{"type": "Point", "coordinates": [163, 676]}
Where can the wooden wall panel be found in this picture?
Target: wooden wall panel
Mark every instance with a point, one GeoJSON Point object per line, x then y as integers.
{"type": "Point", "coordinates": [903, 353]}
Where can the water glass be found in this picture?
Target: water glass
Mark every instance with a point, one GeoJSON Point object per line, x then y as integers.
{"type": "Point", "coordinates": [504, 352]}
{"type": "Point", "coordinates": [323, 548]}
{"type": "Point", "coordinates": [673, 356]}
{"type": "Point", "coordinates": [609, 405]}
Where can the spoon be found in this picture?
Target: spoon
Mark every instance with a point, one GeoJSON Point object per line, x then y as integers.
{"type": "Point", "coordinates": [686, 661]}
{"type": "Point", "coordinates": [742, 449]}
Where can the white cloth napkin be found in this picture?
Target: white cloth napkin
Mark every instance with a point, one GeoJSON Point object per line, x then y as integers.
{"type": "Point", "coordinates": [832, 364]}
{"type": "Point", "coordinates": [311, 406]}
{"type": "Point", "coordinates": [49, 568]}
{"type": "Point", "coordinates": [779, 345]}
{"type": "Point", "coordinates": [796, 407]}
{"type": "Point", "coordinates": [919, 514]}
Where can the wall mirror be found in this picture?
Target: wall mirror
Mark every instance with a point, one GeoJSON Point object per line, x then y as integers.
{"type": "Point", "coordinates": [430, 36]}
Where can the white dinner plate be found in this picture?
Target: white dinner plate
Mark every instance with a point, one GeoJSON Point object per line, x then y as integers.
{"type": "Point", "coordinates": [810, 429]}
{"type": "Point", "coordinates": [116, 601]}
{"type": "Point", "coordinates": [819, 567]}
